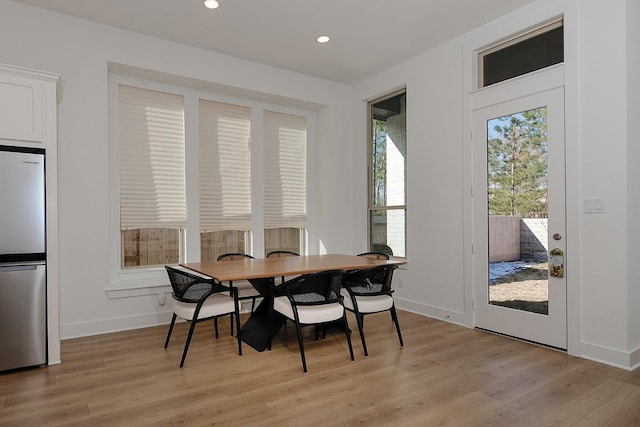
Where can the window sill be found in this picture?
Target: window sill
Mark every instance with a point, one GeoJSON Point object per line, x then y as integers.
{"type": "Point", "coordinates": [139, 282]}
{"type": "Point", "coordinates": [159, 291]}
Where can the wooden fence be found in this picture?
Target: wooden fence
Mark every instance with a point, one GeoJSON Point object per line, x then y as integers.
{"type": "Point", "coordinates": [160, 246]}
{"type": "Point", "coordinates": [150, 246]}
{"type": "Point", "coordinates": [513, 238]}
{"type": "Point", "coordinates": [504, 238]}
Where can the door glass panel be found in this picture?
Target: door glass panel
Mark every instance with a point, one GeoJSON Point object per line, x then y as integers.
{"type": "Point", "coordinates": [517, 211]}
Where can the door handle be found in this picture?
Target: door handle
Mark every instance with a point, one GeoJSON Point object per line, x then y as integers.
{"type": "Point", "coordinates": [557, 236]}
{"type": "Point", "coordinates": [556, 263]}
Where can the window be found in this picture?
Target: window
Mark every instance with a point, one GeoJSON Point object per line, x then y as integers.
{"type": "Point", "coordinates": [283, 238]}
{"type": "Point", "coordinates": [529, 52]}
{"type": "Point", "coordinates": [152, 183]}
{"type": "Point", "coordinates": [182, 177]}
{"type": "Point", "coordinates": [285, 181]}
{"type": "Point", "coordinates": [225, 178]}
{"type": "Point", "coordinates": [387, 175]}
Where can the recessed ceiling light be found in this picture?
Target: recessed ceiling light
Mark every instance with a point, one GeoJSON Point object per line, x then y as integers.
{"type": "Point", "coordinates": [322, 39]}
{"type": "Point", "coordinates": [211, 4]}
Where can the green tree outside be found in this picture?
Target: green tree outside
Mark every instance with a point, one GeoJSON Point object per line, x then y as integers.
{"type": "Point", "coordinates": [517, 164]}
{"type": "Point", "coordinates": [379, 166]}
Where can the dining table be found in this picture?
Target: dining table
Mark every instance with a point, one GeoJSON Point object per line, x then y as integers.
{"type": "Point", "coordinates": [261, 273]}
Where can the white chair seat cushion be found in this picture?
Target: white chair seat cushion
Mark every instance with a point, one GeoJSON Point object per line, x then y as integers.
{"type": "Point", "coordinates": [309, 314]}
{"type": "Point", "coordinates": [215, 305]}
{"type": "Point", "coordinates": [368, 304]}
{"type": "Point", "coordinates": [246, 293]}
{"type": "Point", "coordinates": [245, 289]}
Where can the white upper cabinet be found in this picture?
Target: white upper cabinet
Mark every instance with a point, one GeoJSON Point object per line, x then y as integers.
{"type": "Point", "coordinates": [23, 100]}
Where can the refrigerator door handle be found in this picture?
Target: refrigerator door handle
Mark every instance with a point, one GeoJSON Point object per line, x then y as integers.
{"type": "Point", "coordinates": [22, 267]}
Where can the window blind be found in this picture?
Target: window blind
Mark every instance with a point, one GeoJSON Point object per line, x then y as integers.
{"type": "Point", "coordinates": [225, 167]}
{"type": "Point", "coordinates": [152, 171]}
{"type": "Point", "coordinates": [285, 170]}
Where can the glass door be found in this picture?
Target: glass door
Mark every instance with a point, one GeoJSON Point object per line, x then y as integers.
{"type": "Point", "coordinates": [519, 214]}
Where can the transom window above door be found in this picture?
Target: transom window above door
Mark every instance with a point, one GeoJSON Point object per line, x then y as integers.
{"type": "Point", "coordinates": [525, 53]}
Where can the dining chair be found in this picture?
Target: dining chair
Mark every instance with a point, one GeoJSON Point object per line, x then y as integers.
{"type": "Point", "coordinates": [197, 299]}
{"type": "Point", "coordinates": [311, 299]}
{"type": "Point", "coordinates": [245, 289]}
{"type": "Point", "coordinates": [374, 255]}
{"type": "Point", "coordinates": [368, 291]}
{"type": "Point", "coordinates": [280, 253]}
{"type": "Point", "coordinates": [381, 247]}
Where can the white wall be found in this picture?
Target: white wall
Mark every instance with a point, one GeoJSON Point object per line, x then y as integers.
{"type": "Point", "coordinates": [633, 172]}
{"type": "Point", "coordinates": [602, 162]}
{"type": "Point", "coordinates": [603, 145]}
{"type": "Point", "coordinates": [80, 52]}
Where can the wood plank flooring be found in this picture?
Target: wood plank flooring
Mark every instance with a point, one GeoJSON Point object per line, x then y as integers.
{"type": "Point", "coordinates": [445, 375]}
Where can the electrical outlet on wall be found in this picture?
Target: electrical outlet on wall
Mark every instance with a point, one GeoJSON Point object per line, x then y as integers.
{"type": "Point", "coordinates": [400, 282]}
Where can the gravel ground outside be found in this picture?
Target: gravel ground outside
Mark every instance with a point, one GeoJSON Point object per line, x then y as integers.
{"type": "Point", "coordinates": [526, 284]}
{"type": "Point", "coordinates": [526, 290]}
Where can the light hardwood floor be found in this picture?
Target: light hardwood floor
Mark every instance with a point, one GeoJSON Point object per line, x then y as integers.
{"type": "Point", "coordinates": [444, 375]}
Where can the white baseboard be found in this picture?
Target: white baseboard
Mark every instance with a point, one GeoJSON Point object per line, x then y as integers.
{"type": "Point", "coordinates": [450, 316]}
{"type": "Point", "coordinates": [117, 324]}
{"type": "Point", "coordinates": [634, 359]}
{"type": "Point", "coordinates": [105, 326]}
{"type": "Point", "coordinates": [609, 356]}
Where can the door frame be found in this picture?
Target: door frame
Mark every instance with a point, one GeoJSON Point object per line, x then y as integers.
{"type": "Point", "coordinates": [548, 80]}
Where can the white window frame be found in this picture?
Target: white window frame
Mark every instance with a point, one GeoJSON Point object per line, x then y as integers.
{"type": "Point", "coordinates": [522, 36]}
{"type": "Point", "coordinates": [153, 280]}
{"type": "Point", "coordinates": [149, 204]}
{"type": "Point", "coordinates": [286, 207]}
{"type": "Point", "coordinates": [389, 207]}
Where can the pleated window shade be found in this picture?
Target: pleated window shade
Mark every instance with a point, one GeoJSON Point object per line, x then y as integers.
{"type": "Point", "coordinates": [285, 170]}
{"type": "Point", "coordinates": [152, 163]}
{"type": "Point", "coordinates": [225, 167]}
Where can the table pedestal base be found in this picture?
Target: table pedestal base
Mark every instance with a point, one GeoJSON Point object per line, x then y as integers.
{"type": "Point", "coordinates": [255, 331]}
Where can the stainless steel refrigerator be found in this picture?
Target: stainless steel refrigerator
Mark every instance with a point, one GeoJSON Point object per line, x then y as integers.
{"type": "Point", "coordinates": [23, 319]}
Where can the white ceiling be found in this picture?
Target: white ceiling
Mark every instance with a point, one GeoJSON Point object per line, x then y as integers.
{"type": "Point", "coordinates": [367, 36]}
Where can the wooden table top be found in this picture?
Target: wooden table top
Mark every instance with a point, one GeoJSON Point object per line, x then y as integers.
{"type": "Point", "coordinates": [242, 269]}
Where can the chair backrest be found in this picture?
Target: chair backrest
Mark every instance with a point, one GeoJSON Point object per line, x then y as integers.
{"type": "Point", "coordinates": [233, 256]}
{"type": "Point", "coordinates": [381, 247]}
{"type": "Point", "coordinates": [261, 285]}
{"type": "Point", "coordinates": [374, 255]}
{"type": "Point", "coordinates": [189, 287]}
{"type": "Point", "coordinates": [323, 284]}
{"type": "Point", "coordinates": [381, 275]}
{"type": "Point", "coordinates": [281, 253]}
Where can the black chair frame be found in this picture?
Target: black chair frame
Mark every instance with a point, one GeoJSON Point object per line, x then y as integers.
{"type": "Point", "coordinates": [281, 253]}
{"type": "Point", "coordinates": [381, 247]}
{"type": "Point", "coordinates": [240, 255]}
{"type": "Point", "coordinates": [312, 284]}
{"type": "Point", "coordinates": [382, 275]}
{"type": "Point", "coordinates": [379, 255]}
{"type": "Point", "coordinates": [193, 289]}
